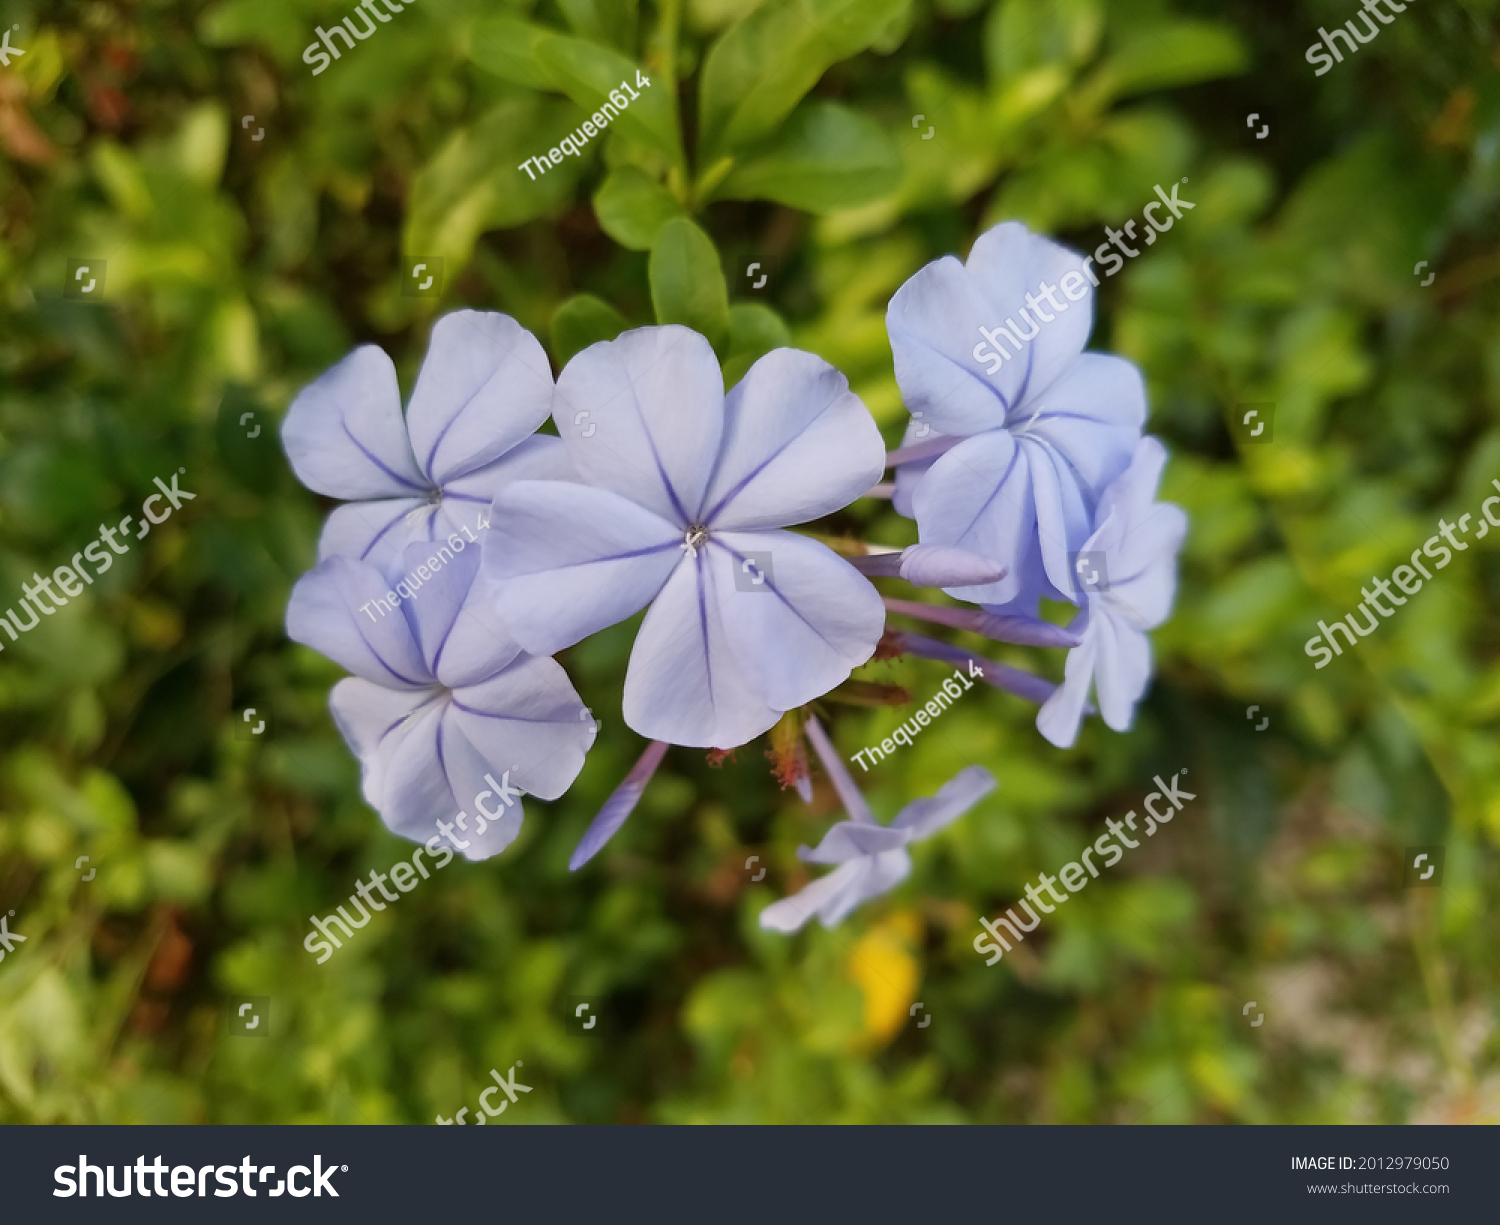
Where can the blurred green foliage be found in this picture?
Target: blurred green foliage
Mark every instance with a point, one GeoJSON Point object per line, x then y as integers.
{"type": "Point", "coordinates": [839, 145]}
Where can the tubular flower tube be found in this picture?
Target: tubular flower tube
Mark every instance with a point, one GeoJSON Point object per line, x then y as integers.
{"type": "Point", "coordinates": [619, 806]}
{"type": "Point", "coordinates": [1000, 676]}
{"type": "Point", "coordinates": [1023, 631]}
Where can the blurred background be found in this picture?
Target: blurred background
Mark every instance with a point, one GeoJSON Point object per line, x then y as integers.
{"type": "Point", "coordinates": [255, 222]}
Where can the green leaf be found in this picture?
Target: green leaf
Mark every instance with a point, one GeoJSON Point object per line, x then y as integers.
{"type": "Point", "coordinates": [687, 283]}
{"type": "Point", "coordinates": [201, 144]}
{"type": "Point", "coordinates": [754, 330]}
{"type": "Point", "coordinates": [539, 58]}
{"type": "Point", "coordinates": [1023, 35]}
{"type": "Point", "coordinates": [506, 46]}
{"type": "Point", "coordinates": [475, 182]}
{"type": "Point", "coordinates": [611, 22]}
{"type": "Point", "coordinates": [1165, 56]}
{"type": "Point", "coordinates": [632, 207]}
{"type": "Point", "coordinates": [581, 321]}
{"type": "Point", "coordinates": [711, 16]}
{"type": "Point", "coordinates": [589, 74]}
{"type": "Point", "coordinates": [273, 23]}
{"type": "Point", "coordinates": [758, 71]}
{"type": "Point", "coordinates": [827, 157]}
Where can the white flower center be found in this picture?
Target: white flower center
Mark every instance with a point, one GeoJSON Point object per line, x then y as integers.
{"type": "Point", "coordinates": [428, 505]}
{"type": "Point", "coordinates": [693, 538]}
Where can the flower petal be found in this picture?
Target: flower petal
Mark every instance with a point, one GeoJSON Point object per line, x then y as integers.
{"type": "Point", "coordinates": [432, 773]}
{"type": "Point", "coordinates": [933, 322]}
{"type": "Point", "coordinates": [538, 458]}
{"type": "Point", "coordinates": [1023, 611]}
{"type": "Point", "coordinates": [1122, 670]}
{"type": "Point", "coordinates": [1060, 715]}
{"type": "Point", "coordinates": [790, 913]}
{"type": "Point", "coordinates": [489, 815]}
{"type": "Point", "coordinates": [979, 497]}
{"type": "Point", "coordinates": [1148, 558]}
{"type": "Point", "coordinates": [1140, 538]}
{"type": "Point", "coordinates": [1064, 516]}
{"type": "Point", "coordinates": [642, 415]}
{"type": "Point", "coordinates": [485, 385]}
{"type": "Point", "coordinates": [374, 531]}
{"type": "Point", "coordinates": [344, 435]}
{"type": "Point", "coordinates": [366, 714]}
{"type": "Point", "coordinates": [798, 445]}
{"type": "Point", "coordinates": [877, 874]}
{"type": "Point", "coordinates": [528, 719]}
{"type": "Point", "coordinates": [848, 840]}
{"type": "Point", "coordinates": [1092, 416]}
{"type": "Point", "coordinates": [461, 636]}
{"type": "Point", "coordinates": [1008, 262]}
{"type": "Point", "coordinates": [332, 610]}
{"type": "Point", "coordinates": [684, 684]}
{"type": "Point", "coordinates": [923, 818]}
{"type": "Point", "coordinates": [566, 561]}
{"type": "Point", "coordinates": [801, 631]}
{"type": "Point", "coordinates": [923, 445]}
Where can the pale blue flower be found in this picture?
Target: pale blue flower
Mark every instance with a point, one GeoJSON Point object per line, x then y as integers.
{"type": "Point", "coordinates": [447, 715]}
{"type": "Point", "coordinates": [683, 490]}
{"type": "Point", "coordinates": [483, 389]}
{"type": "Point", "coordinates": [1137, 539]}
{"type": "Point", "coordinates": [871, 857]}
{"type": "Point", "coordinates": [1017, 451]}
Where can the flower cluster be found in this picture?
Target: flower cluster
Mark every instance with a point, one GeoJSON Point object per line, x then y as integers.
{"type": "Point", "coordinates": [661, 491]}
{"type": "Point", "coordinates": [1040, 467]}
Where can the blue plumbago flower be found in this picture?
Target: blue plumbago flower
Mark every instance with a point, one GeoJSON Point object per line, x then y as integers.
{"type": "Point", "coordinates": [871, 857]}
{"type": "Point", "coordinates": [445, 712]}
{"type": "Point", "coordinates": [1020, 431]}
{"type": "Point", "coordinates": [1138, 539]}
{"type": "Point", "coordinates": [683, 488]}
{"type": "Point", "coordinates": [483, 389]}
